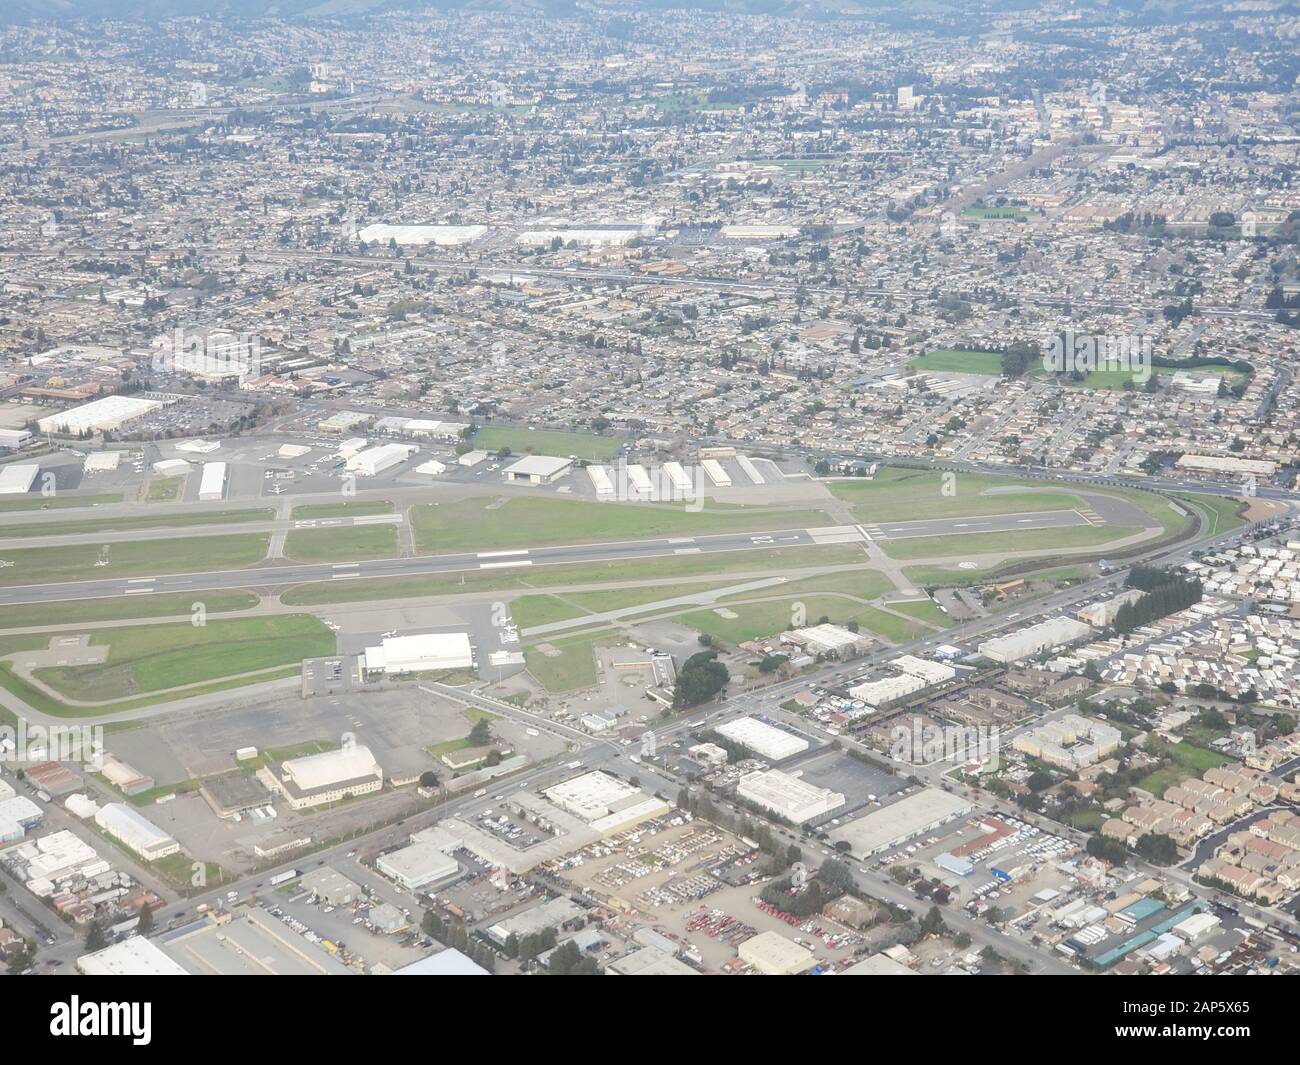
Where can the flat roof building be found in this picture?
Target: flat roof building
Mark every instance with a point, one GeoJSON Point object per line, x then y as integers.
{"type": "Point", "coordinates": [774, 955]}
{"type": "Point", "coordinates": [134, 956]}
{"type": "Point", "coordinates": [431, 652]}
{"type": "Point", "coordinates": [537, 469]}
{"type": "Point", "coordinates": [213, 484]}
{"type": "Point", "coordinates": [17, 480]}
{"type": "Point", "coordinates": [912, 815]}
{"type": "Point", "coordinates": [1045, 636]}
{"type": "Point", "coordinates": [135, 831]}
{"type": "Point", "coordinates": [317, 779]}
{"type": "Point", "coordinates": [98, 416]}
{"type": "Point", "coordinates": [767, 741]}
{"type": "Point", "coordinates": [794, 799]}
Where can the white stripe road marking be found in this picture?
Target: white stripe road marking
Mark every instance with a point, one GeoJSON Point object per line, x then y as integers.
{"type": "Point", "coordinates": [138, 591]}
{"type": "Point", "coordinates": [682, 540]}
{"type": "Point", "coordinates": [687, 551]}
{"type": "Point", "coordinates": [343, 576]}
{"type": "Point", "coordinates": [142, 580]}
{"type": "Point", "coordinates": [499, 565]}
{"type": "Point", "coordinates": [500, 554]}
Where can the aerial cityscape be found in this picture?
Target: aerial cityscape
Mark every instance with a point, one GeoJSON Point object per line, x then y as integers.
{"type": "Point", "coordinates": [607, 488]}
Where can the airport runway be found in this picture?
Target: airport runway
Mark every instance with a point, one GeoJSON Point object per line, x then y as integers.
{"type": "Point", "coordinates": [270, 575]}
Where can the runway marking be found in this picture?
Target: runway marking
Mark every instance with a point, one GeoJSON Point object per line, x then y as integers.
{"type": "Point", "coordinates": [142, 580]}
{"type": "Point", "coordinates": [500, 565]}
{"type": "Point", "coordinates": [682, 540]}
{"type": "Point", "coordinates": [686, 551]}
{"type": "Point", "coordinates": [500, 554]}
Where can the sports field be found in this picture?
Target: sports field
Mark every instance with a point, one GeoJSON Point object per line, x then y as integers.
{"type": "Point", "coordinates": [547, 442]}
{"type": "Point", "coordinates": [951, 360]}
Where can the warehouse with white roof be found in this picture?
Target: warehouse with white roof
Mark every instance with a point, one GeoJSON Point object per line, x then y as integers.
{"type": "Point", "coordinates": [212, 486]}
{"type": "Point", "coordinates": [98, 416]}
{"type": "Point", "coordinates": [17, 480]}
{"type": "Point", "coordinates": [317, 779]}
{"type": "Point", "coordinates": [135, 831]}
{"type": "Point", "coordinates": [787, 796]}
{"type": "Point", "coordinates": [1045, 636]}
{"type": "Point", "coordinates": [430, 652]}
{"type": "Point", "coordinates": [766, 741]}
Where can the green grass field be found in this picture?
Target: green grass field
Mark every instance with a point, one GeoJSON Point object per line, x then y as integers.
{"type": "Point", "coordinates": [164, 490]}
{"type": "Point", "coordinates": [900, 494]}
{"type": "Point", "coordinates": [355, 509]}
{"type": "Point", "coordinates": [531, 610]}
{"type": "Point", "coordinates": [531, 521]}
{"type": "Point", "coordinates": [762, 619]}
{"type": "Point", "coordinates": [346, 544]}
{"type": "Point", "coordinates": [950, 360]}
{"type": "Point", "coordinates": [34, 565]}
{"type": "Point", "coordinates": [1188, 760]}
{"type": "Point", "coordinates": [1044, 540]}
{"type": "Point", "coordinates": [58, 502]}
{"type": "Point", "coordinates": [547, 442]}
{"type": "Point", "coordinates": [1220, 513]}
{"type": "Point", "coordinates": [573, 668]}
{"type": "Point", "coordinates": [126, 524]}
{"type": "Point", "coordinates": [923, 610]}
{"type": "Point", "coordinates": [124, 608]}
{"type": "Point", "coordinates": [152, 658]}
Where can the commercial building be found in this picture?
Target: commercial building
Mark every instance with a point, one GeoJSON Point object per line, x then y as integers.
{"type": "Point", "coordinates": [550, 914]}
{"type": "Point", "coordinates": [419, 863]}
{"type": "Point", "coordinates": [878, 965]}
{"type": "Point", "coordinates": [1045, 636]}
{"type": "Point", "coordinates": [125, 778]}
{"type": "Point", "coordinates": [605, 803]}
{"type": "Point", "coordinates": [449, 962]}
{"type": "Point", "coordinates": [420, 236]}
{"type": "Point", "coordinates": [432, 652]}
{"type": "Point", "coordinates": [99, 416]}
{"type": "Point", "coordinates": [766, 741]}
{"type": "Point", "coordinates": [774, 955]}
{"type": "Point", "coordinates": [102, 462]}
{"type": "Point", "coordinates": [213, 484]}
{"type": "Point", "coordinates": [135, 831]}
{"type": "Point", "coordinates": [787, 796]}
{"type": "Point", "coordinates": [1219, 465]}
{"type": "Point", "coordinates": [649, 961]}
{"type": "Point", "coordinates": [1069, 742]}
{"type": "Point", "coordinates": [14, 439]}
{"type": "Point", "coordinates": [537, 469]}
{"type": "Point", "coordinates": [134, 956]}
{"type": "Point", "coordinates": [914, 675]}
{"type": "Point", "coordinates": [752, 232]}
{"type": "Point", "coordinates": [376, 460]}
{"type": "Point", "coordinates": [827, 641]}
{"type": "Point", "coordinates": [17, 480]}
{"type": "Point", "coordinates": [317, 779]}
{"type": "Point", "coordinates": [883, 829]}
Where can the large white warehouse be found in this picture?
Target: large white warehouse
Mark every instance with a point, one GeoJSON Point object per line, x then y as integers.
{"type": "Point", "coordinates": [213, 484]}
{"type": "Point", "coordinates": [375, 460]}
{"type": "Point", "coordinates": [132, 829]}
{"type": "Point", "coordinates": [17, 480]}
{"type": "Point", "coordinates": [794, 799]}
{"type": "Point", "coordinates": [766, 741]}
{"type": "Point", "coordinates": [316, 779]}
{"type": "Point", "coordinates": [1045, 636]}
{"type": "Point", "coordinates": [98, 416]}
{"type": "Point", "coordinates": [430, 652]}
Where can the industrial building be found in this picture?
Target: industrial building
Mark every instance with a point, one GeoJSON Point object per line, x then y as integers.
{"type": "Point", "coordinates": [774, 955]}
{"type": "Point", "coordinates": [134, 956]}
{"type": "Point", "coordinates": [537, 469]}
{"type": "Point", "coordinates": [98, 416]}
{"type": "Point", "coordinates": [605, 803]}
{"type": "Point", "coordinates": [135, 831]}
{"type": "Point", "coordinates": [420, 236]}
{"type": "Point", "coordinates": [827, 641]}
{"type": "Point", "coordinates": [1045, 636]}
{"type": "Point", "coordinates": [425, 860]}
{"type": "Point", "coordinates": [914, 675]}
{"type": "Point", "coordinates": [787, 796]}
{"type": "Point", "coordinates": [600, 482]}
{"type": "Point", "coordinates": [213, 484]}
{"type": "Point", "coordinates": [432, 652]}
{"type": "Point", "coordinates": [376, 460]}
{"type": "Point", "coordinates": [14, 439]}
{"type": "Point", "coordinates": [125, 778]}
{"type": "Point", "coordinates": [714, 471]}
{"type": "Point", "coordinates": [649, 961]}
{"type": "Point", "coordinates": [553, 913]}
{"type": "Point", "coordinates": [766, 741]}
{"type": "Point", "coordinates": [884, 829]}
{"type": "Point", "coordinates": [17, 480]}
{"type": "Point", "coordinates": [449, 962]}
{"type": "Point", "coordinates": [317, 779]}
{"type": "Point", "coordinates": [18, 816]}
